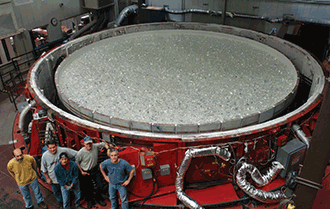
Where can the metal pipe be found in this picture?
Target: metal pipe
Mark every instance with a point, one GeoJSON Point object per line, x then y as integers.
{"type": "Point", "coordinates": [116, 8]}
{"type": "Point", "coordinates": [272, 20]}
{"type": "Point", "coordinates": [183, 7]}
{"type": "Point", "coordinates": [84, 29]}
{"type": "Point", "coordinates": [107, 19]}
{"type": "Point", "coordinates": [127, 11]}
{"type": "Point", "coordinates": [261, 180]}
{"type": "Point", "coordinates": [309, 181]}
{"type": "Point", "coordinates": [192, 153]}
{"type": "Point", "coordinates": [219, 13]}
{"type": "Point", "coordinates": [223, 17]}
{"type": "Point", "coordinates": [21, 122]}
{"type": "Point", "coordinates": [100, 19]}
{"type": "Point", "coordinates": [279, 20]}
{"type": "Point", "coordinates": [309, 185]}
{"type": "Point", "coordinates": [201, 11]}
{"type": "Point", "coordinates": [301, 134]}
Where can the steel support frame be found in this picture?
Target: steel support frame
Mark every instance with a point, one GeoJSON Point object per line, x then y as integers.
{"type": "Point", "coordinates": [317, 156]}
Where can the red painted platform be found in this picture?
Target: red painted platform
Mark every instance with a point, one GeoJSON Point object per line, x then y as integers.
{"type": "Point", "coordinates": [220, 193]}
{"type": "Point", "coordinates": [10, 196]}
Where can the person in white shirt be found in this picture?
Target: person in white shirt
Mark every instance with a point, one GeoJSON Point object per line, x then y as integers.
{"type": "Point", "coordinates": [48, 162]}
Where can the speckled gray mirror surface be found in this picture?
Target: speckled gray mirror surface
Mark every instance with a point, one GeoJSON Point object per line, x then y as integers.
{"type": "Point", "coordinates": [176, 77]}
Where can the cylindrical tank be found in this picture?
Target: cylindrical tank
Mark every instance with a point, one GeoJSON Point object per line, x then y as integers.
{"type": "Point", "coordinates": [163, 88]}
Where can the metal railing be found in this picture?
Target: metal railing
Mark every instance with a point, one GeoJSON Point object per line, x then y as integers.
{"type": "Point", "coordinates": [13, 74]}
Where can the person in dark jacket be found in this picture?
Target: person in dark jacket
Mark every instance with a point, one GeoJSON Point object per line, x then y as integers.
{"type": "Point", "coordinates": [67, 173]}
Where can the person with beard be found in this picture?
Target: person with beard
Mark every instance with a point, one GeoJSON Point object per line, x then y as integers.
{"type": "Point", "coordinates": [23, 169]}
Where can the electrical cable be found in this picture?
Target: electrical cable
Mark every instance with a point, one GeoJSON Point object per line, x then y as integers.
{"type": "Point", "coordinates": [174, 149]}
{"type": "Point", "coordinates": [135, 194]}
{"type": "Point", "coordinates": [200, 173]}
{"type": "Point", "coordinates": [269, 160]}
{"type": "Point", "coordinates": [286, 202]}
{"type": "Point", "coordinates": [155, 184]}
{"type": "Point", "coordinates": [152, 192]}
{"type": "Point", "coordinates": [271, 152]}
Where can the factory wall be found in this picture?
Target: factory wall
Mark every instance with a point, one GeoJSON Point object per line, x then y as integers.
{"type": "Point", "coordinates": [311, 11]}
{"type": "Point", "coordinates": [282, 18]}
{"type": "Point", "coordinates": [44, 12]}
{"type": "Point", "coordinates": [16, 15]}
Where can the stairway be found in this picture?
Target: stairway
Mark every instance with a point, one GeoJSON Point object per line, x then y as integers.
{"type": "Point", "coordinates": [12, 81]}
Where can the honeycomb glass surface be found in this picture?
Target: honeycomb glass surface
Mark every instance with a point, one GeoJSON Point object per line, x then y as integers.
{"type": "Point", "coordinates": [176, 77]}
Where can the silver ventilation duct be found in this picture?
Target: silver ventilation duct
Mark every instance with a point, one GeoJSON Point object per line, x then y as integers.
{"type": "Point", "coordinates": [192, 153]}
{"type": "Point", "coordinates": [261, 180]}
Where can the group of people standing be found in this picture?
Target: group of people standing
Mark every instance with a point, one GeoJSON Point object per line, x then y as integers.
{"type": "Point", "coordinates": [69, 170]}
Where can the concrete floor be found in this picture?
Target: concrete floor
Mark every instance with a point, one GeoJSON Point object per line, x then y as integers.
{"type": "Point", "coordinates": [7, 117]}
{"type": "Point", "coordinates": [10, 196]}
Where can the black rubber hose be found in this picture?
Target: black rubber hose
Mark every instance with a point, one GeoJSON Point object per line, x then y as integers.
{"type": "Point", "coordinates": [155, 184]}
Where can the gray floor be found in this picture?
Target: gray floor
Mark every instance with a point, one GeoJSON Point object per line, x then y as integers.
{"type": "Point", "coordinates": [7, 118]}
{"type": "Point", "coordinates": [10, 196]}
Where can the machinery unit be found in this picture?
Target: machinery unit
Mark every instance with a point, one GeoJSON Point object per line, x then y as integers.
{"type": "Point", "coordinates": [291, 155]}
{"type": "Point", "coordinates": [190, 151]}
{"type": "Point", "coordinates": [213, 103]}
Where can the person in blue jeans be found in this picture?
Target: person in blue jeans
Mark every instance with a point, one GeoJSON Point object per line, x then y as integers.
{"type": "Point", "coordinates": [23, 169]}
{"type": "Point", "coordinates": [120, 174]}
{"type": "Point", "coordinates": [67, 173]}
{"type": "Point", "coordinates": [49, 160]}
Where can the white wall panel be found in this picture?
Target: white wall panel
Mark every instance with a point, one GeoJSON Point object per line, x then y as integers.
{"type": "Point", "coordinates": [315, 11]}
{"type": "Point", "coordinates": [269, 9]}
